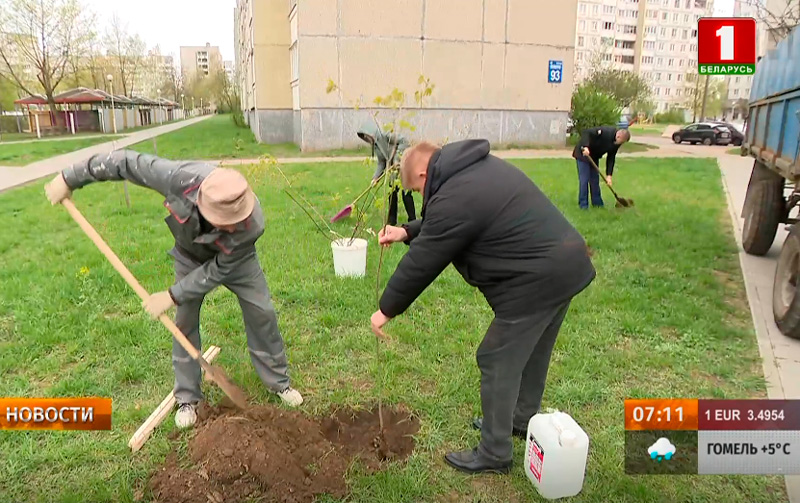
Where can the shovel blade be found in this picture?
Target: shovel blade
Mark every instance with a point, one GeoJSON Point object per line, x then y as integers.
{"type": "Point", "coordinates": [346, 211]}
{"type": "Point", "coordinates": [234, 392]}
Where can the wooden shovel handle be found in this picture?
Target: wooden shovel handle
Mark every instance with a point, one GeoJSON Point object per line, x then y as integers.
{"type": "Point", "coordinates": [126, 274]}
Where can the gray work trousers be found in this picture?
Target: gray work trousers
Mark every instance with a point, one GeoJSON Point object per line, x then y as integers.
{"type": "Point", "coordinates": [264, 340]}
{"type": "Point", "coordinates": [514, 358]}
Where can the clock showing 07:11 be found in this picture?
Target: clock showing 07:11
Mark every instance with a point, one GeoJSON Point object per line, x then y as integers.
{"type": "Point", "coordinates": [661, 414]}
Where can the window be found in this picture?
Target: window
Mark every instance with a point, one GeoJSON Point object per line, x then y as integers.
{"type": "Point", "coordinates": [650, 30]}
{"type": "Point", "coordinates": [595, 9]}
{"type": "Point", "coordinates": [677, 92]}
{"type": "Point", "coordinates": [580, 56]}
{"type": "Point", "coordinates": [658, 91]}
{"type": "Point", "coordinates": [680, 77]}
{"type": "Point", "coordinates": [735, 93]}
{"type": "Point", "coordinates": [688, 4]}
{"type": "Point", "coordinates": [661, 46]}
{"type": "Point", "coordinates": [694, 33]}
{"type": "Point", "coordinates": [295, 62]}
{"type": "Point", "coordinates": [608, 9]}
{"type": "Point", "coordinates": [666, 91]}
{"type": "Point", "coordinates": [658, 76]}
{"type": "Point", "coordinates": [680, 63]}
{"type": "Point", "coordinates": [669, 77]}
{"type": "Point", "coordinates": [686, 18]}
{"type": "Point", "coordinates": [671, 47]}
{"type": "Point", "coordinates": [582, 8]}
{"type": "Point", "coordinates": [594, 26]}
{"type": "Point", "coordinates": [671, 62]}
{"type": "Point", "coordinates": [660, 61]}
{"type": "Point", "coordinates": [683, 48]}
{"type": "Point", "coordinates": [606, 57]}
{"type": "Point", "coordinates": [674, 32]}
{"type": "Point", "coordinates": [685, 34]}
{"type": "Point", "coordinates": [608, 25]}
{"type": "Point", "coordinates": [693, 48]}
{"type": "Point", "coordinates": [663, 32]}
{"type": "Point", "coordinates": [647, 60]}
{"type": "Point", "coordinates": [580, 41]}
{"type": "Point", "coordinates": [649, 45]}
{"type": "Point", "coordinates": [738, 79]}
{"type": "Point", "coordinates": [675, 18]}
{"type": "Point", "coordinates": [624, 44]}
{"type": "Point", "coordinates": [630, 29]}
{"type": "Point", "coordinates": [677, 4]}
{"type": "Point", "coordinates": [665, 16]}
{"type": "Point", "coordinates": [582, 25]}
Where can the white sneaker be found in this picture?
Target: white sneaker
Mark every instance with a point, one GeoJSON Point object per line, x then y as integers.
{"type": "Point", "coordinates": [186, 415]}
{"type": "Point", "coordinates": [291, 397]}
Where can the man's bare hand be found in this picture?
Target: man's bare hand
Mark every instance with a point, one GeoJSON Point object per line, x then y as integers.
{"type": "Point", "coordinates": [377, 321]}
{"type": "Point", "coordinates": [585, 151]}
{"type": "Point", "coordinates": [608, 179]}
{"type": "Point", "coordinates": [391, 234]}
{"type": "Point", "coordinates": [57, 190]}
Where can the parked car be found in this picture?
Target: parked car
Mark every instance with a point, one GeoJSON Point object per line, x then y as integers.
{"type": "Point", "coordinates": [737, 137]}
{"type": "Point", "coordinates": [703, 132]}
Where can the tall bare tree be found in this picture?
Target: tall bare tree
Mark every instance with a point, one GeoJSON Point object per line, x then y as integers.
{"type": "Point", "coordinates": [127, 51]}
{"type": "Point", "coordinates": [779, 17]}
{"type": "Point", "coordinates": [40, 36]}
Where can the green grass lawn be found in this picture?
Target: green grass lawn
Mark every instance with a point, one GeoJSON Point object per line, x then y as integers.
{"type": "Point", "coordinates": [647, 129]}
{"type": "Point", "coordinates": [219, 138]}
{"type": "Point", "coordinates": [666, 317]}
{"type": "Point", "coordinates": [21, 154]}
{"type": "Point", "coordinates": [734, 151]}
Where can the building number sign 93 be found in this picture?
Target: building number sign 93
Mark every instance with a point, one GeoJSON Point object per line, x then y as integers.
{"type": "Point", "coordinates": [555, 71]}
{"type": "Point", "coordinates": [647, 414]}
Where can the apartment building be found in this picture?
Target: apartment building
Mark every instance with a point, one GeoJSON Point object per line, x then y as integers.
{"type": "Point", "coordinates": [153, 73]}
{"type": "Point", "coordinates": [655, 38]}
{"type": "Point", "coordinates": [200, 59]}
{"type": "Point", "coordinates": [738, 88]}
{"type": "Point", "coordinates": [491, 67]}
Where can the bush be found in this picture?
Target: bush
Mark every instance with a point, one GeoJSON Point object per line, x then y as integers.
{"type": "Point", "coordinates": [673, 116]}
{"type": "Point", "coordinates": [591, 108]}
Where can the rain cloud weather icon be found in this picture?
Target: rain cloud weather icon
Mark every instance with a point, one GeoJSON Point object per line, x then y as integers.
{"type": "Point", "coordinates": [662, 449]}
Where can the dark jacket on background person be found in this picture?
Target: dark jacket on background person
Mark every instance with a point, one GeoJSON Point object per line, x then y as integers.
{"type": "Point", "coordinates": [497, 228]}
{"type": "Point", "coordinates": [219, 252]}
{"type": "Point", "coordinates": [600, 141]}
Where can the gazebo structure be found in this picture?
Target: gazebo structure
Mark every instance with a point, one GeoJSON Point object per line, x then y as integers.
{"type": "Point", "coordinates": [96, 110]}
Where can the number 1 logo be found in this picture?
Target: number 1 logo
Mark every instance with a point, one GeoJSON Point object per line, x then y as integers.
{"type": "Point", "coordinates": [726, 46]}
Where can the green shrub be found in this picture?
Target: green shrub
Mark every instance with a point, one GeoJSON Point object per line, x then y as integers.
{"type": "Point", "coordinates": [591, 108]}
{"type": "Point", "coordinates": [673, 116]}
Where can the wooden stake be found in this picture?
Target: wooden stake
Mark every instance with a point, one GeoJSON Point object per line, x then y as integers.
{"type": "Point", "coordinates": [162, 411]}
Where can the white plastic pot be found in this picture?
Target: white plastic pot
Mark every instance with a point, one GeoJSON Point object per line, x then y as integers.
{"type": "Point", "coordinates": [350, 257]}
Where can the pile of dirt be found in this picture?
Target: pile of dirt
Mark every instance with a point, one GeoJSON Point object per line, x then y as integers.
{"type": "Point", "coordinates": [266, 453]}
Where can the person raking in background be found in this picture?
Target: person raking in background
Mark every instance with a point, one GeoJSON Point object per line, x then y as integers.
{"type": "Point", "coordinates": [595, 143]}
{"type": "Point", "coordinates": [383, 147]}
{"type": "Point", "coordinates": [505, 237]}
{"type": "Point", "coordinates": [216, 220]}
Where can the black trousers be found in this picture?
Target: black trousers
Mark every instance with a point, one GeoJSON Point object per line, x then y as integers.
{"type": "Point", "coordinates": [514, 358]}
{"type": "Point", "coordinates": [408, 202]}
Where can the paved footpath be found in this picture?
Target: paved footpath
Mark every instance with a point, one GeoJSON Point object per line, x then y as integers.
{"type": "Point", "coordinates": [16, 176]}
{"type": "Point", "coordinates": [780, 354]}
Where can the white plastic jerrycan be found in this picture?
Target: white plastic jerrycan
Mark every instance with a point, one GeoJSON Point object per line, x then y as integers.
{"type": "Point", "coordinates": [555, 454]}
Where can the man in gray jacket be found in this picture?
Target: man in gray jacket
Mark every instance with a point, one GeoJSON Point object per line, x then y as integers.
{"type": "Point", "coordinates": [216, 220]}
{"type": "Point", "coordinates": [385, 146]}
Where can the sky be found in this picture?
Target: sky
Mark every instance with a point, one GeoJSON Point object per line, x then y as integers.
{"type": "Point", "coordinates": [172, 23]}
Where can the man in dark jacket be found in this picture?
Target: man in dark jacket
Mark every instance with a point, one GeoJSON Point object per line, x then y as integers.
{"type": "Point", "coordinates": [595, 143]}
{"type": "Point", "coordinates": [505, 237]}
{"type": "Point", "coordinates": [216, 220]}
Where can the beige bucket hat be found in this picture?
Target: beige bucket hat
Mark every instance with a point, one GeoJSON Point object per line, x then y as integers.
{"type": "Point", "coordinates": [225, 198]}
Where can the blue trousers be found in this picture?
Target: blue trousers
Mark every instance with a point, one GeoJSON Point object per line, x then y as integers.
{"type": "Point", "coordinates": [588, 178]}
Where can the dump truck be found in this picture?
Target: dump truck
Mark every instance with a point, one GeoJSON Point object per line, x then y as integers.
{"type": "Point", "coordinates": [772, 137]}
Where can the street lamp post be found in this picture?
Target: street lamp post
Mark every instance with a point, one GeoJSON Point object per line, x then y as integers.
{"type": "Point", "coordinates": [161, 107]}
{"type": "Point", "coordinates": [183, 104]}
{"type": "Point", "coordinates": [201, 107]}
{"type": "Point", "coordinates": [113, 112]}
{"type": "Point", "coordinates": [194, 110]}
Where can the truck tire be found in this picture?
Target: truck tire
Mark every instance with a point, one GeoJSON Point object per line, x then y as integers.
{"type": "Point", "coordinates": [786, 289]}
{"type": "Point", "coordinates": [707, 141]}
{"type": "Point", "coordinates": [764, 209]}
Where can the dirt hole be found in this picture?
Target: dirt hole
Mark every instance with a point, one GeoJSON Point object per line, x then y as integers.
{"type": "Point", "coordinates": [270, 454]}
